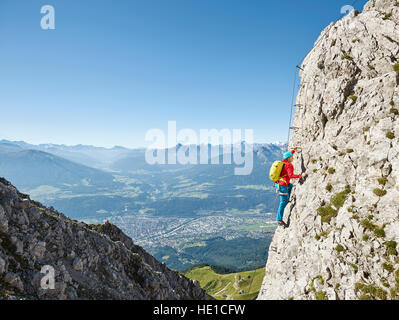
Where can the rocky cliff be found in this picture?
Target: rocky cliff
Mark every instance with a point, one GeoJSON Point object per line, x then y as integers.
{"type": "Point", "coordinates": [89, 261]}
{"type": "Point", "coordinates": [344, 218]}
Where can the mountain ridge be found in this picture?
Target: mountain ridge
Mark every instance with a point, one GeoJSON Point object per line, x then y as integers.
{"type": "Point", "coordinates": [30, 168]}
{"type": "Point", "coordinates": [89, 261]}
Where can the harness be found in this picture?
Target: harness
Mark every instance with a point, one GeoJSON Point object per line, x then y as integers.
{"type": "Point", "coordinates": [278, 187]}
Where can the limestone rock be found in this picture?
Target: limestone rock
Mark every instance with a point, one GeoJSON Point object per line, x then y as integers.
{"type": "Point", "coordinates": [3, 220]}
{"type": "Point", "coordinates": [78, 264]}
{"type": "Point", "coordinates": [2, 265]}
{"type": "Point", "coordinates": [348, 131]}
{"type": "Point", "coordinates": [14, 280]}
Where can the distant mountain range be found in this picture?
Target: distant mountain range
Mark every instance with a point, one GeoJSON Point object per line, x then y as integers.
{"type": "Point", "coordinates": [96, 157]}
{"type": "Point", "coordinates": [121, 158]}
{"type": "Point", "coordinates": [29, 168]}
{"type": "Point", "coordinates": [169, 209]}
{"type": "Point", "coordinates": [43, 170]}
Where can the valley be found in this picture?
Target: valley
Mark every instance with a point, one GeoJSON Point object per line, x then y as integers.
{"type": "Point", "coordinates": [183, 215]}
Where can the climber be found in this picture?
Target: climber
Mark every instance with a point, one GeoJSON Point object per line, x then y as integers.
{"type": "Point", "coordinates": [284, 186]}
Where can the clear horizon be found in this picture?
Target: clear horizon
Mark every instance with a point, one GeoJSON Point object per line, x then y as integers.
{"type": "Point", "coordinates": [116, 146]}
{"type": "Point", "coordinates": [113, 70]}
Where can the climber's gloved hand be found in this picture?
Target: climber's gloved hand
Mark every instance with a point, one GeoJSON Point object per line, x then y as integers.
{"type": "Point", "coordinates": [304, 175]}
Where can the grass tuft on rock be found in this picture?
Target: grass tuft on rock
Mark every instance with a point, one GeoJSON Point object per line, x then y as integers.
{"type": "Point", "coordinates": [390, 135]}
{"type": "Point", "coordinates": [327, 213]}
{"type": "Point", "coordinates": [347, 57]}
{"type": "Point", "coordinates": [379, 232]}
{"type": "Point", "coordinates": [370, 291]}
{"type": "Point", "coordinates": [394, 111]}
{"type": "Point", "coordinates": [391, 248]}
{"type": "Point", "coordinates": [368, 225]}
{"type": "Point", "coordinates": [355, 267]}
{"type": "Point", "coordinates": [379, 192]}
{"type": "Point", "coordinates": [353, 98]}
{"type": "Point", "coordinates": [339, 248]}
{"type": "Point", "coordinates": [388, 267]}
{"type": "Point", "coordinates": [383, 181]}
{"type": "Point", "coordinates": [387, 16]}
{"type": "Point", "coordinates": [339, 199]}
{"type": "Point", "coordinates": [320, 295]}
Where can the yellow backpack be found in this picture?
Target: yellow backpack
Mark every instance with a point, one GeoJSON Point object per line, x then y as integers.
{"type": "Point", "coordinates": [275, 171]}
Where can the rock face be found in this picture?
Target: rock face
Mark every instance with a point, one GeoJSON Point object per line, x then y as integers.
{"type": "Point", "coordinates": [344, 218]}
{"type": "Point", "coordinates": [89, 261]}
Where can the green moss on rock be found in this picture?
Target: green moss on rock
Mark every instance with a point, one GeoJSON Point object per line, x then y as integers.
{"type": "Point", "coordinates": [327, 213]}
{"type": "Point", "coordinates": [379, 192]}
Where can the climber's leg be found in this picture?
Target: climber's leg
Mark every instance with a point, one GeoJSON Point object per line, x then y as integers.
{"type": "Point", "coordinates": [289, 191]}
{"type": "Point", "coordinates": [283, 202]}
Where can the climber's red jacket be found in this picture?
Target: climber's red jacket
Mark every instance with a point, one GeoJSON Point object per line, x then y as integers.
{"type": "Point", "coordinates": [288, 173]}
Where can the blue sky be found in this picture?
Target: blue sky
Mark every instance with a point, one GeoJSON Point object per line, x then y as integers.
{"type": "Point", "coordinates": [111, 70]}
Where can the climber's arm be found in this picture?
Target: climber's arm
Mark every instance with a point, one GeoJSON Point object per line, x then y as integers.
{"type": "Point", "coordinates": [291, 175]}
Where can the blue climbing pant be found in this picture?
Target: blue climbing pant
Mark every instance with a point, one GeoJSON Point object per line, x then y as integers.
{"type": "Point", "coordinates": [283, 200]}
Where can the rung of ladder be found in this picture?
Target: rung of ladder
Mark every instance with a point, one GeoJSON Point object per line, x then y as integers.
{"type": "Point", "coordinates": [299, 68]}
